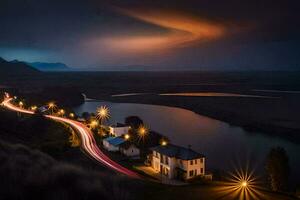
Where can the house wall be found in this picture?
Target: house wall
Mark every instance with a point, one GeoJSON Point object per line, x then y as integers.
{"type": "Point", "coordinates": [159, 160]}
{"type": "Point", "coordinates": [118, 131]}
{"type": "Point", "coordinates": [131, 151]}
{"type": "Point", "coordinates": [183, 164]}
{"type": "Point", "coordinates": [196, 167]}
{"type": "Point", "coordinates": [156, 161]}
{"type": "Point", "coordinates": [165, 163]}
{"type": "Point", "coordinates": [109, 147]}
{"type": "Point", "coordinates": [173, 165]}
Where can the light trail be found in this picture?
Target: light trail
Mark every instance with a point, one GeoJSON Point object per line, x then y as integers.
{"type": "Point", "coordinates": [88, 142]}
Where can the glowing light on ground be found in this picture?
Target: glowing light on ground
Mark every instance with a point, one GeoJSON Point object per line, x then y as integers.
{"type": "Point", "coordinates": [242, 185]}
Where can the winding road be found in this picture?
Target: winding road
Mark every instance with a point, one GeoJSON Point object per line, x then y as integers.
{"type": "Point", "coordinates": [88, 143]}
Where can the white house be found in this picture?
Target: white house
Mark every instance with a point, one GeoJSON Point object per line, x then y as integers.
{"type": "Point", "coordinates": [177, 162]}
{"type": "Point", "coordinates": [118, 130]}
{"type": "Point", "coordinates": [129, 149]}
{"type": "Point", "coordinates": [112, 143]}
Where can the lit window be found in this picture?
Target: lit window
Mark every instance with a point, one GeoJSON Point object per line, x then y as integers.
{"type": "Point", "coordinates": [191, 162]}
{"type": "Point", "coordinates": [167, 172]}
{"type": "Point", "coordinates": [201, 160]}
{"type": "Point", "coordinates": [196, 162]}
{"type": "Point", "coordinates": [191, 173]}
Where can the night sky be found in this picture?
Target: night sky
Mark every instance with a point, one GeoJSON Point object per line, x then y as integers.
{"type": "Point", "coordinates": [152, 34]}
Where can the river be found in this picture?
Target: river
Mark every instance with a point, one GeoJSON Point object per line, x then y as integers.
{"type": "Point", "coordinates": [225, 146]}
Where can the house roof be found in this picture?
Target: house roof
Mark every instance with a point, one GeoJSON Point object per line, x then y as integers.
{"type": "Point", "coordinates": [177, 152]}
{"type": "Point", "coordinates": [115, 141]}
{"type": "Point", "coordinates": [119, 125]}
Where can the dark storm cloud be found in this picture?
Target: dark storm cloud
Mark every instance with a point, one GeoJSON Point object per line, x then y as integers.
{"type": "Point", "coordinates": [95, 32]}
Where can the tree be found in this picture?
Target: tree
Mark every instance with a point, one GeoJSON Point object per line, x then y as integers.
{"type": "Point", "coordinates": [134, 121]}
{"type": "Point", "coordinates": [277, 167]}
{"type": "Point", "coordinates": [86, 115]}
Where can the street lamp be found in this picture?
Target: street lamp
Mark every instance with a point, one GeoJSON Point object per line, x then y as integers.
{"type": "Point", "coordinates": [33, 108]}
{"type": "Point", "coordinates": [51, 106]}
{"type": "Point", "coordinates": [21, 104]}
{"type": "Point", "coordinates": [164, 143]}
{"type": "Point", "coordinates": [127, 136]}
{"type": "Point", "coordinates": [142, 131]}
{"type": "Point", "coordinates": [71, 115]}
{"type": "Point", "coordinates": [62, 112]}
{"type": "Point", "coordinates": [102, 114]}
{"type": "Point", "coordinates": [94, 124]}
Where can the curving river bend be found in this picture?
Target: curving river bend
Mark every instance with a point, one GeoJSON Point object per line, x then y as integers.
{"type": "Point", "coordinates": [223, 145]}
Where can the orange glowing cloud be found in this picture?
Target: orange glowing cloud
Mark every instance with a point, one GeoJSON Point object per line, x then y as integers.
{"type": "Point", "coordinates": [181, 30]}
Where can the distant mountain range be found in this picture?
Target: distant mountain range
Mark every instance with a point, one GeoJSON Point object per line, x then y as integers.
{"type": "Point", "coordinates": [49, 66]}
{"type": "Point", "coordinates": [119, 68]}
{"type": "Point", "coordinates": [16, 68]}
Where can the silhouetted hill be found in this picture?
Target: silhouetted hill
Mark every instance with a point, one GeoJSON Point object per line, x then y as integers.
{"type": "Point", "coordinates": [16, 68]}
{"type": "Point", "coordinates": [49, 66]}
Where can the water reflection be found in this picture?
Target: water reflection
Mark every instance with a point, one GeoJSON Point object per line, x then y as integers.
{"type": "Point", "coordinates": [213, 94]}
{"type": "Point", "coordinates": [219, 141]}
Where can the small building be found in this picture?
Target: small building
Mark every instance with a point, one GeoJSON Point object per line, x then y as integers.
{"type": "Point", "coordinates": [118, 130]}
{"type": "Point", "coordinates": [129, 149]}
{"type": "Point", "coordinates": [112, 143]}
{"type": "Point", "coordinates": [42, 109]}
{"type": "Point", "coordinates": [80, 119]}
{"type": "Point", "coordinates": [177, 162]}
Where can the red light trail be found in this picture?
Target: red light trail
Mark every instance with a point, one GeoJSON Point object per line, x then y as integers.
{"type": "Point", "coordinates": [88, 142]}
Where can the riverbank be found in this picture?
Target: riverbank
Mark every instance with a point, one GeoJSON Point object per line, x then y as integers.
{"type": "Point", "coordinates": [54, 172]}
{"type": "Point", "coordinates": [272, 116]}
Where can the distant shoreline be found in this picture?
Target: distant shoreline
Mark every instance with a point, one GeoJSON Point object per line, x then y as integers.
{"type": "Point", "coordinates": [248, 125]}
